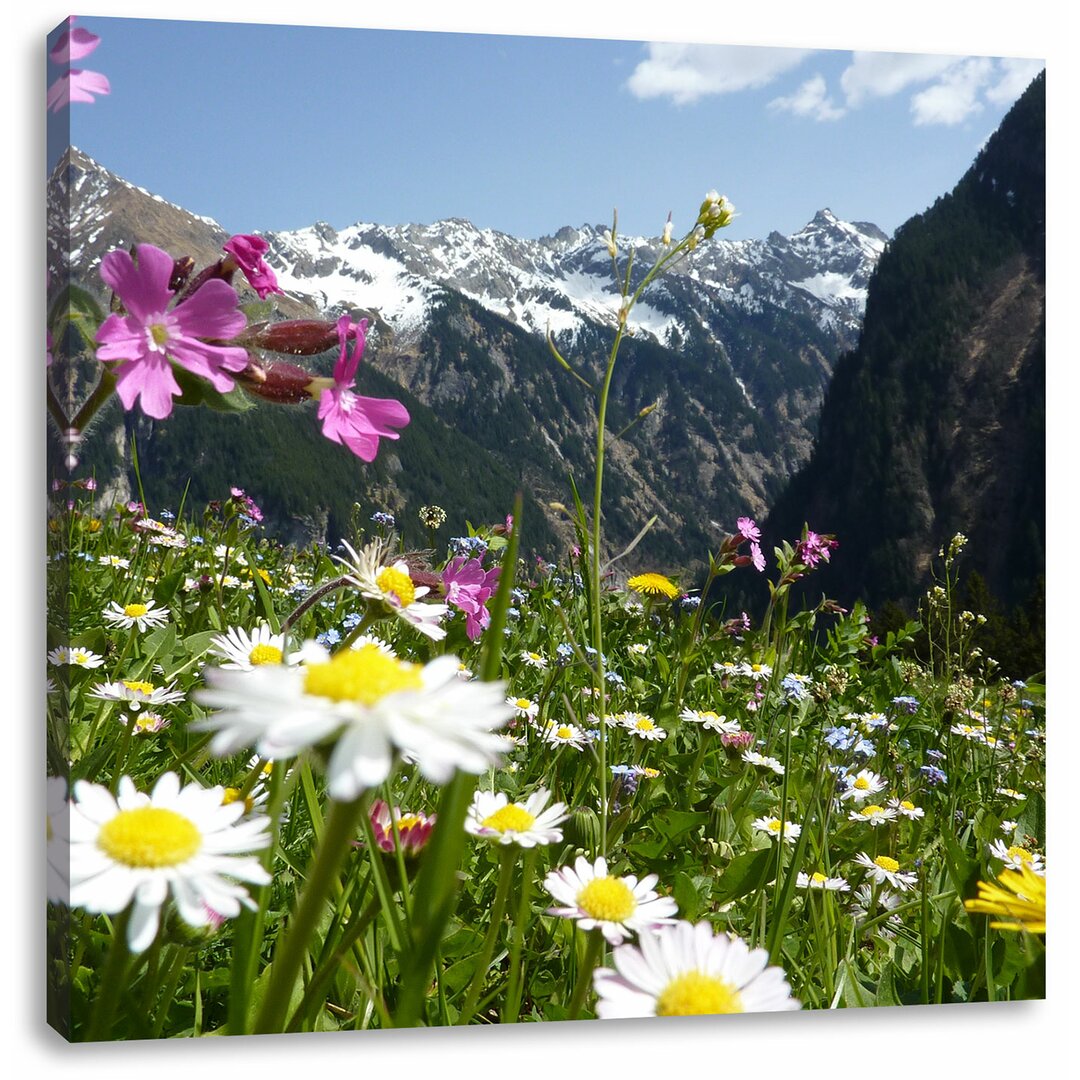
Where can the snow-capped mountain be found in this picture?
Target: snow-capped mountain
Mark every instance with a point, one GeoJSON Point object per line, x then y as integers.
{"type": "Point", "coordinates": [731, 351]}
{"type": "Point", "coordinates": [564, 281]}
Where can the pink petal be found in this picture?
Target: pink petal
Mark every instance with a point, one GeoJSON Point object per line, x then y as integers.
{"type": "Point", "coordinates": [122, 338]}
{"type": "Point", "coordinates": [210, 312]}
{"type": "Point", "coordinates": [151, 381]}
{"type": "Point", "coordinates": [143, 288]}
{"type": "Point", "coordinates": [208, 361]}
{"type": "Point", "coordinates": [73, 45]}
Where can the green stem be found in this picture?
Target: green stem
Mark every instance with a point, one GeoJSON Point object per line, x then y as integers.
{"type": "Point", "coordinates": [502, 890]}
{"type": "Point", "coordinates": [111, 986]}
{"type": "Point", "coordinates": [328, 968]}
{"type": "Point", "coordinates": [584, 981]}
{"type": "Point", "coordinates": [292, 947]}
{"type": "Point", "coordinates": [513, 995]}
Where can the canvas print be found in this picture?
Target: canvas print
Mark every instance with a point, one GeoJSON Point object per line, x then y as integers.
{"type": "Point", "coordinates": [539, 529]}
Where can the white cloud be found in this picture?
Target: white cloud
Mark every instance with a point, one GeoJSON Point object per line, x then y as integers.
{"type": "Point", "coordinates": [686, 73]}
{"type": "Point", "coordinates": [1016, 74]}
{"type": "Point", "coordinates": [811, 99]}
{"type": "Point", "coordinates": [955, 96]}
{"type": "Point", "coordinates": [874, 74]}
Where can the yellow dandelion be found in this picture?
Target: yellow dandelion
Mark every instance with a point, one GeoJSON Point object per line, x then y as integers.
{"type": "Point", "coordinates": [653, 585]}
{"type": "Point", "coordinates": [1019, 895]}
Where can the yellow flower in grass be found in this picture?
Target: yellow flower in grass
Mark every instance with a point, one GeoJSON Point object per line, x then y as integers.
{"type": "Point", "coordinates": [1019, 896]}
{"type": "Point", "coordinates": [653, 585]}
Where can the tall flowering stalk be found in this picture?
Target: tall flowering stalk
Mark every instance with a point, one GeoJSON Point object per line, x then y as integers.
{"type": "Point", "coordinates": [715, 213]}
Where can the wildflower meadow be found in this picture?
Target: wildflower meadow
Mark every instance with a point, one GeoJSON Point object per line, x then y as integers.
{"type": "Point", "coordinates": [409, 778]}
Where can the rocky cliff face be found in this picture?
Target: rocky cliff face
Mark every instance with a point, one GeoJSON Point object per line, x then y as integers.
{"type": "Point", "coordinates": [935, 423]}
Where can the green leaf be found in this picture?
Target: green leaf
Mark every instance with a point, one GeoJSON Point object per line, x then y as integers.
{"type": "Point", "coordinates": [744, 874]}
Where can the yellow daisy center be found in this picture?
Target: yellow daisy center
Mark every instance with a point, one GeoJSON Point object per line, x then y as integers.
{"type": "Point", "coordinates": [80, 657]}
{"type": "Point", "coordinates": [650, 774]}
{"type": "Point", "coordinates": [1019, 853]}
{"type": "Point", "coordinates": [774, 826]}
{"type": "Point", "coordinates": [887, 864]}
{"type": "Point", "coordinates": [509, 818]}
{"type": "Point", "coordinates": [697, 994]}
{"type": "Point", "coordinates": [232, 794]}
{"type": "Point", "coordinates": [905, 805]}
{"type": "Point", "coordinates": [564, 732]}
{"type": "Point", "coordinates": [408, 821]}
{"type": "Point", "coordinates": [644, 724]}
{"type": "Point", "coordinates": [265, 654]}
{"type": "Point", "coordinates": [396, 585]}
{"type": "Point", "coordinates": [755, 667]}
{"type": "Point", "coordinates": [146, 722]}
{"type": "Point", "coordinates": [608, 899]}
{"type": "Point", "coordinates": [363, 675]}
{"type": "Point", "coordinates": [818, 876]}
{"type": "Point", "coordinates": [870, 811]}
{"type": "Point", "coordinates": [135, 611]}
{"type": "Point", "coordinates": [523, 703]}
{"type": "Point", "coordinates": [149, 837]}
{"type": "Point", "coordinates": [139, 687]}
{"type": "Point", "coordinates": [861, 784]}
{"type": "Point", "coordinates": [653, 585]}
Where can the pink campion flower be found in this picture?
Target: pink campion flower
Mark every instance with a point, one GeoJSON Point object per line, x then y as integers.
{"type": "Point", "coordinates": [748, 529]}
{"type": "Point", "coordinates": [74, 44]}
{"type": "Point", "coordinates": [248, 252]}
{"type": "Point", "coordinates": [469, 587]}
{"type": "Point", "coordinates": [757, 556]}
{"type": "Point", "coordinates": [347, 418]}
{"type": "Point", "coordinates": [149, 338]}
{"type": "Point", "coordinates": [814, 547]}
{"type": "Point", "coordinates": [76, 85]}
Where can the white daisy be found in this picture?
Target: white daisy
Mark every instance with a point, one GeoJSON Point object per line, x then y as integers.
{"type": "Point", "coordinates": [873, 815]}
{"type": "Point", "coordinates": [384, 647]}
{"type": "Point", "coordinates": [760, 672]}
{"type": "Point", "coordinates": [906, 808]}
{"type": "Point", "coordinates": [727, 667]}
{"type": "Point", "coordinates": [114, 561]}
{"type": "Point", "coordinates": [134, 849]}
{"type": "Point", "coordinates": [1011, 793]}
{"type": "Point", "coordinates": [1009, 827]}
{"type": "Point", "coordinates": [710, 720]}
{"type": "Point", "coordinates": [861, 786]}
{"type": "Point", "coordinates": [617, 906]}
{"type": "Point", "coordinates": [884, 869]}
{"type": "Point", "coordinates": [563, 735]}
{"type": "Point", "coordinates": [1016, 858]}
{"type": "Point", "coordinates": [137, 693]}
{"type": "Point", "coordinates": [817, 880]}
{"type": "Point", "coordinates": [772, 827]}
{"type": "Point", "coordinates": [523, 708]}
{"type": "Point", "coordinates": [146, 723]}
{"type": "Point", "coordinates": [640, 726]}
{"type": "Point", "coordinates": [493, 817]}
{"type": "Point", "coordinates": [534, 660]}
{"type": "Point", "coordinates": [75, 655]}
{"type": "Point", "coordinates": [243, 650]}
{"type": "Point", "coordinates": [752, 757]}
{"type": "Point", "coordinates": [136, 614]}
{"type": "Point", "coordinates": [374, 704]}
{"type": "Point", "coordinates": [638, 648]}
{"type": "Point", "coordinates": [393, 587]}
{"type": "Point", "coordinates": [685, 970]}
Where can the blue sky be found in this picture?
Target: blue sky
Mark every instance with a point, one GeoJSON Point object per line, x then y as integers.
{"type": "Point", "coordinates": [275, 127]}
